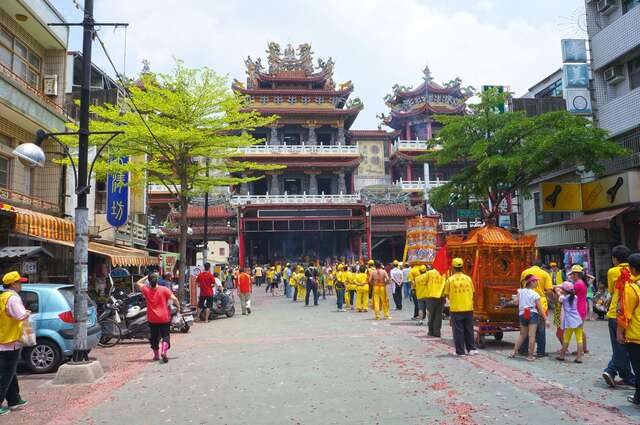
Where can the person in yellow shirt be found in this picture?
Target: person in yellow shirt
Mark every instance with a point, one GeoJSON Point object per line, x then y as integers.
{"type": "Point", "coordinates": [629, 333]}
{"type": "Point", "coordinates": [371, 267]}
{"type": "Point", "coordinates": [362, 289]}
{"type": "Point", "coordinates": [435, 302]}
{"type": "Point", "coordinates": [293, 283]}
{"type": "Point", "coordinates": [557, 275]}
{"type": "Point", "coordinates": [619, 365]}
{"type": "Point", "coordinates": [420, 282]}
{"type": "Point", "coordinates": [330, 279]}
{"type": "Point", "coordinates": [271, 273]}
{"type": "Point", "coordinates": [301, 284]}
{"type": "Point", "coordinates": [378, 279]}
{"type": "Point", "coordinates": [350, 297]}
{"type": "Point", "coordinates": [414, 271]}
{"type": "Point", "coordinates": [544, 289]}
{"type": "Point", "coordinates": [459, 289]}
{"type": "Point", "coordinates": [340, 287]}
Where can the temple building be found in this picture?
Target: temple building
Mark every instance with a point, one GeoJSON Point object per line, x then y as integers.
{"type": "Point", "coordinates": [412, 112]}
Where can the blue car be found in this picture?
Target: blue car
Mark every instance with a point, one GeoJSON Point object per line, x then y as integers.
{"type": "Point", "coordinates": [51, 308]}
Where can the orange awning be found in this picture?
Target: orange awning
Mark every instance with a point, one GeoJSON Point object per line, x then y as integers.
{"type": "Point", "coordinates": [44, 226]}
{"type": "Point", "coordinates": [599, 220]}
{"type": "Point", "coordinates": [122, 256]}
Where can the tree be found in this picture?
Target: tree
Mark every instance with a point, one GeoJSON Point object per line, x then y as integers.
{"type": "Point", "coordinates": [185, 116]}
{"type": "Point", "coordinates": [504, 153]}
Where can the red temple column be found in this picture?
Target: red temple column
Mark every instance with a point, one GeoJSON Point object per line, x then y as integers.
{"type": "Point", "coordinates": [407, 130]}
{"type": "Point", "coordinates": [429, 130]}
{"type": "Point", "coordinates": [409, 172]}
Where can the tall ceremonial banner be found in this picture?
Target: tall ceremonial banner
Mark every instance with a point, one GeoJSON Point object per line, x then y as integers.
{"type": "Point", "coordinates": [422, 233]}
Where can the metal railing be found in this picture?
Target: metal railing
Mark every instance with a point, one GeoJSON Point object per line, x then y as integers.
{"type": "Point", "coordinates": [132, 232]}
{"type": "Point", "coordinates": [459, 225]}
{"type": "Point", "coordinates": [418, 185]}
{"type": "Point", "coordinates": [410, 145]}
{"type": "Point", "coordinates": [293, 199]}
{"type": "Point", "coordinates": [28, 201]}
{"type": "Point", "coordinates": [35, 92]}
{"type": "Point", "coordinates": [300, 149]}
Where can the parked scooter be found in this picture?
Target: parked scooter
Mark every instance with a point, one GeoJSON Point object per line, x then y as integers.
{"type": "Point", "coordinates": [217, 309]}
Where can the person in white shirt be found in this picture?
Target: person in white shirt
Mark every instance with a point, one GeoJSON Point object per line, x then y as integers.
{"type": "Point", "coordinates": [395, 281]}
{"type": "Point", "coordinates": [406, 286]}
{"type": "Point", "coordinates": [529, 308]}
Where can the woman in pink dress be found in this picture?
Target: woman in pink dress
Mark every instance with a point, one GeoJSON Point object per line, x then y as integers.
{"type": "Point", "coordinates": [577, 278]}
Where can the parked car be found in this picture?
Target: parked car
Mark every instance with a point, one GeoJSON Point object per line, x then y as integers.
{"type": "Point", "coordinates": [51, 308]}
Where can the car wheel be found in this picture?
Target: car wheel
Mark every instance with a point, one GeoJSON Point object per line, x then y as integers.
{"type": "Point", "coordinates": [44, 357]}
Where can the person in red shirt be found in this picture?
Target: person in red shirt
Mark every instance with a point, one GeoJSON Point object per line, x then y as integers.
{"type": "Point", "coordinates": [158, 314]}
{"type": "Point", "coordinates": [206, 281]}
{"type": "Point", "coordinates": [244, 291]}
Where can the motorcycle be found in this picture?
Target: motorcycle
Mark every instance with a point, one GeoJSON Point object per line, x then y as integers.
{"type": "Point", "coordinates": [217, 310]}
{"type": "Point", "coordinates": [181, 322]}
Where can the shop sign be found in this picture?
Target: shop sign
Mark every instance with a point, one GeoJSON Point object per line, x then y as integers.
{"type": "Point", "coordinates": [29, 267]}
{"type": "Point", "coordinates": [468, 213]}
{"type": "Point", "coordinates": [118, 196]}
{"type": "Point", "coordinates": [611, 191]}
{"type": "Point", "coordinates": [574, 50]}
{"type": "Point", "coordinates": [557, 197]}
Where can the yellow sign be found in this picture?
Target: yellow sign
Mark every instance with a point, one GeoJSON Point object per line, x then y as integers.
{"type": "Point", "coordinates": [561, 197]}
{"type": "Point", "coordinates": [372, 164]}
{"type": "Point", "coordinates": [606, 192]}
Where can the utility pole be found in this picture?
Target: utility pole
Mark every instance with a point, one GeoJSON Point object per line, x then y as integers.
{"type": "Point", "coordinates": [205, 251]}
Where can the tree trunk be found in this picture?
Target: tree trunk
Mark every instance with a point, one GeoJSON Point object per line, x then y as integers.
{"type": "Point", "coordinates": [182, 265]}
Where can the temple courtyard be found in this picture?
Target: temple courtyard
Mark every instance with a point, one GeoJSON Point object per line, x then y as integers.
{"type": "Point", "coordinates": [287, 364]}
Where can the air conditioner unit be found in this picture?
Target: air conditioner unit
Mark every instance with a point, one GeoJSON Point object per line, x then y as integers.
{"type": "Point", "coordinates": [614, 75]}
{"type": "Point", "coordinates": [606, 7]}
{"type": "Point", "coordinates": [50, 85]}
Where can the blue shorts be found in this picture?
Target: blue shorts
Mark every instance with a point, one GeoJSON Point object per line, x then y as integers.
{"type": "Point", "coordinates": [532, 321]}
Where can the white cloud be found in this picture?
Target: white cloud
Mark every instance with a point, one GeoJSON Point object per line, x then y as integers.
{"type": "Point", "coordinates": [375, 43]}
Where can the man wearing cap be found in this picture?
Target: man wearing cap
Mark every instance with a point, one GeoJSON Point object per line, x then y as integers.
{"type": "Point", "coordinates": [435, 302]}
{"type": "Point", "coordinates": [619, 365]}
{"type": "Point", "coordinates": [421, 293]}
{"type": "Point", "coordinates": [459, 289]}
{"type": "Point", "coordinates": [557, 275]}
{"type": "Point", "coordinates": [12, 315]}
{"type": "Point", "coordinates": [396, 284]}
{"type": "Point", "coordinates": [544, 289]}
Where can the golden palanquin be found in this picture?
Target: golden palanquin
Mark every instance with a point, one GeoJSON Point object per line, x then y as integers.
{"type": "Point", "coordinates": [494, 259]}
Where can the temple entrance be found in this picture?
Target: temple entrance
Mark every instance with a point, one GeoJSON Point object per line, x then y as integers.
{"type": "Point", "coordinates": [296, 247]}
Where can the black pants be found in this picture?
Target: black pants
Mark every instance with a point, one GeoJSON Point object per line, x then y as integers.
{"type": "Point", "coordinates": [634, 356]}
{"type": "Point", "coordinates": [314, 288]}
{"type": "Point", "coordinates": [416, 308]}
{"type": "Point", "coordinates": [435, 307]}
{"type": "Point", "coordinates": [352, 298]}
{"type": "Point", "coordinates": [397, 297]}
{"type": "Point", "coordinates": [463, 331]}
{"type": "Point", "coordinates": [159, 330]}
{"type": "Point", "coordinates": [9, 388]}
{"type": "Point", "coordinates": [295, 293]}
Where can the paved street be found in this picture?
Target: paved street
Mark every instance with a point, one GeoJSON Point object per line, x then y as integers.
{"type": "Point", "coordinates": [286, 364]}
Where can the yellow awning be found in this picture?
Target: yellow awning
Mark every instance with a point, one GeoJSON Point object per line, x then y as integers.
{"type": "Point", "coordinates": [44, 226]}
{"type": "Point", "coordinates": [122, 256]}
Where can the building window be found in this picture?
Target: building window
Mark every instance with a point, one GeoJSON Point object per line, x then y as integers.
{"type": "Point", "coordinates": [634, 73]}
{"type": "Point", "coordinates": [319, 99]}
{"type": "Point", "coordinates": [6, 140]}
{"type": "Point", "coordinates": [291, 100]}
{"type": "Point", "coordinates": [101, 197]}
{"type": "Point", "coordinates": [221, 252]}
{"type": "Point", "coordinates": [277, 99]}
{"type": "Point", "coordinates": [16, 56]}
{"type": "Point", "coordinates": [552, 90]}
{"type": "Point", "coordinates": [543, 217]}
{"type": "Point", "coordinates": [264, 99]}
{"type": "Point", "coordinates": [627, 5]}
{"type": "Point", "coordinates": [4, 172]}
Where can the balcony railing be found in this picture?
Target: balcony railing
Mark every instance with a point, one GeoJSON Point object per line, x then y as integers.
{"type": "Point", "coordinates": [410, 145]}
{"type": "Point", "coordinates": [28, 201]}
{"type": "Point", "coordinates": [293, 199]}
{"type": "Point", "coordinates": [448, 226]}
{"type": "Point", "coordinates": [28, 88]}
{"type": "Point", "coordinates": [300, 149]}
{"type": "Point", "coordinates": [418, 185]}
{"type": "Point", "coordinates": [158, 188]}
{"type": "Point", "coordinates": [132, 232]}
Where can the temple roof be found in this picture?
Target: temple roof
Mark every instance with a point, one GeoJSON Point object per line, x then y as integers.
{"type": "Point", "coordinates": [491, 236]}
{"type": "Point", "coordinates": [392, 210]}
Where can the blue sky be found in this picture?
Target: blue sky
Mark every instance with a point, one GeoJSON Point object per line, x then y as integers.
{"type": "Point", "coordinates": [375, 43]}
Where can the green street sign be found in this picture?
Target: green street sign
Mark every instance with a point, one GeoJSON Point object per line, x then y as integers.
{"type": "Point", "coordinates": [466, 213]}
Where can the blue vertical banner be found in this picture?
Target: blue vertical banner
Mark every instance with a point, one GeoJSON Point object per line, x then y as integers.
{"type": "Point", "coordinates": [118, 196]}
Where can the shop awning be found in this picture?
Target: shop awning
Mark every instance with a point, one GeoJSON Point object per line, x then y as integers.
{"type": "Point", "coordinates": [599, 220]}
{"type": "Point", "coordinates": [44, 226]}
{"type": "Point", "coordinates": [122, 256]}
{"type": "Point", "coordinates": [19, 252]}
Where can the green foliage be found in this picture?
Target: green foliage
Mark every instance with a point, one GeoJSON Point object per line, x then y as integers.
{"type": "Point", "coordinates": [504, 153]}
{"type": "Point", "coordinates": [193, 115]}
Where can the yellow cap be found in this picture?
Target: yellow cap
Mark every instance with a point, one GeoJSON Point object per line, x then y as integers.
{"type": "Point", "coordinates": [577, 268]}
{"type": "Point", "coordinates": [457, 262]}
{"type": "Point", "coordinates": [423, 269]}
{"type": "Point", "coordinates": [395, 262]}
{"type": "Point", "coordinates": [371, 262]}
{"type": "Point", "coordinates": [553, 264]}
{"type": "Point", "coordinates": [10, 278]}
